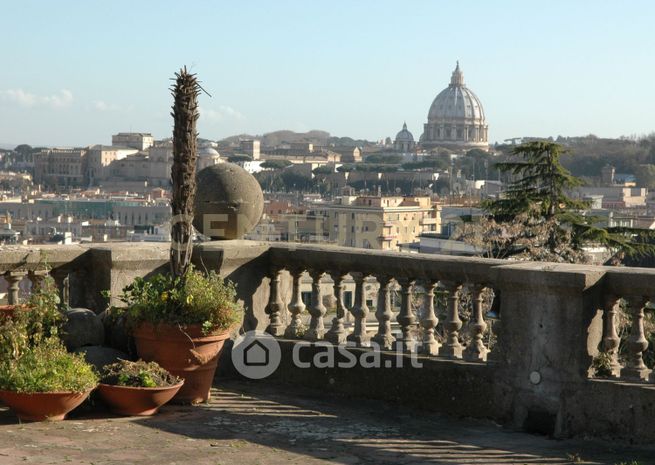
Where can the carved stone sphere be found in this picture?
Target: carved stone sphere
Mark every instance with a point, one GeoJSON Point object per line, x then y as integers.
{"type": "Point", "coordinates": [229, 202]}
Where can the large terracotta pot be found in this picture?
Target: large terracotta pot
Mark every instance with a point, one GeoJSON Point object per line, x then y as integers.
{"type": "Point", "coordinates": [136, 401]}
{"type": "Point", "coordinates": [40, 406]}
{"type": "Point", "coordinates": [185, 352]}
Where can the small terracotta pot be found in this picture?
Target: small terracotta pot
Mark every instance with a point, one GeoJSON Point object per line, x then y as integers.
{"type": "Point", "coordinates": [136, 401]}
{"type": "Point", "coordinates": [40, 406]}
{"type": "Point", "coordinates": [185, 352]}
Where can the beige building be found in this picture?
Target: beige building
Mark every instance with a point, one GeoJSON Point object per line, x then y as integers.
{"type": "Point", "coordinates": [100, 158]}
{"type": "Point", "coordinates": [61, 168]}
{"type": "Point", "coordinates": [379, 222]}
{"type": "Point", "coordinates": [137, 140]}
{"type": "Point", "coordinates": [250, 148]}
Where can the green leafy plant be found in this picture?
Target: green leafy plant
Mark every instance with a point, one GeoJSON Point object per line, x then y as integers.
{"type": "Point", "coordinates": [38, 319]}
{"type": "Point", "coordinates": [47, 367]}
{"type": "Point", "coordinates": [204, 299]}
{"type": "Point", "coordinates": [137, 374]}
{"type": "Point", "coordinates": [602, 365]}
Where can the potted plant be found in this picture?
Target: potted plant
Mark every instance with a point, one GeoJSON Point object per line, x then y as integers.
{"type": "Point", "coordinates": [137, 388]}
{"type": "Point", "coordinates": [45, 382]}
{"type": "Point", "coordinates": [182, 324]}
{"type": "Point", "coordinates": [181, 320]}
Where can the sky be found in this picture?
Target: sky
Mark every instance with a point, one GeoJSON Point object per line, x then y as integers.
{"type": "Point", "coordinates": [74, 72]}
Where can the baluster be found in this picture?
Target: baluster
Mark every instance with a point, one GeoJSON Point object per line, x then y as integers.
{"type": "Point", "coordinates": [13, 279]}
{"type": "Point", "coordinates": [383, 313]}
{"type": "Point", "coordinates": [476, 351]}
{"type": "Point", "coordinates": [317, 310]}
{"type": "Point", "coordinates": [337, 333]}
{"type": "Point", "coordinates": [296, 328]}
{"type": "Point", "coordinates": [611, 339]}
{"type": "Point", "coordinates": [359, 311]}
{"type": "Point", "coordinates": [60, 275]}
{"type": "Point", "coordinates": [637, 342]}
{"type": "Point", "coordinates": [37, 277]}
{"type": "Point", "coordinates": [406, 318]}
{"type": "Point", "coordinates": [429, 345]}
{"type": "Point", "coordinates": [452, 348]}
{"type": "Point", "coordinates": [275, 307]}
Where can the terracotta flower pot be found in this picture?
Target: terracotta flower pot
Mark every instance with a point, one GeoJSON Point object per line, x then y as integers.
{"type": "Point", "coordinates": [185, 352]}
{"type": "Point", "coordinates": [40, 406]}
{"type": "Point", "coordinates": [136, 401]}
{"type": "Point", "coordinates": [8, 311]}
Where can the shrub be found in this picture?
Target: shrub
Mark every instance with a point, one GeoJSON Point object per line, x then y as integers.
{"type": "Point", "coordinates": [39, 319]}
{"type": "Point", "coordinates": [196, 298]}
{"type": "Point", "coordinates": [47, 367]}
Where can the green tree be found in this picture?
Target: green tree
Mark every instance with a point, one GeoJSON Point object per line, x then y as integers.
{"type": "Point", "coordinates": [646, 176]}
{"type": "Point", "coordinates": [237, 158]}
{"type": "Point", "coordinates": [276, 164]}
{"type": "Point", "coordinates": [552, 223]}
{"type": "Point", "coordinates": [538, 178]}
{"type": "Point", "coordinates": [384, 158]}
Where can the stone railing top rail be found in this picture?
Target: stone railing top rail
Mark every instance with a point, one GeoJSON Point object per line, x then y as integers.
{"type": "Point", "coordinates": [38, 257]}
{"type": "Point", "coordinates": [619, 281]}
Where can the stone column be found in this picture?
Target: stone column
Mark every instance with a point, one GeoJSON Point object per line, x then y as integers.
{"type": "Point", "coordinates": [384, 314]}
{"type": "Point", "coordinates": [296, 329]}
{"type": "Point", "coordinates": [60, 275]}
{"type": "Point", "coordinates": [635, 368]}
{"type": "Point", "coordinates": [13, 280]}
{"type": "Point", "coordinates": [360, 311]}
{"type": "Point", "coordinates": [317, 310]}
{"type": "Point", "coordinates": [275, 308]}
{"type": "Point", "coordinates": [611, 340]}
{"type": "Point", "coordinates": [337, 333]}
{"type": "Point", "coordinates": [548, 333]}
{"type": "Point", "coordinates": [452, 348]}
{"type": "Point", "coordinates": [406, 319]}
{"type": "Point", "coordinates": [429, 344]}
{"type": "Point", "coordinates": [476, 351]}
{"type": "Point", "coordinates": [37, 277]}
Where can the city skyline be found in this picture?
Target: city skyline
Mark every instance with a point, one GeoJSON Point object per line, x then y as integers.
{"type": "Point", "coordinates": [355, 70]}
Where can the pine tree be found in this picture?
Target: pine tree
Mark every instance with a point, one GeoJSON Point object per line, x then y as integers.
{"type": "Point", "coordinates": [553, 223]}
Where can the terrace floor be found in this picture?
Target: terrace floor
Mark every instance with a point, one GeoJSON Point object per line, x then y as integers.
{"type": "Point", "coordinates": [250, 423]}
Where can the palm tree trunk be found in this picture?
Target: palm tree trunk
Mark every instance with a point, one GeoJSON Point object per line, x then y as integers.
{"type": "Point", "coordinates": [183, 173]}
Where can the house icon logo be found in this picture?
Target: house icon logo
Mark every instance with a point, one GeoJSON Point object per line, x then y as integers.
{"type": "Point", "coordinates": [256, 354]}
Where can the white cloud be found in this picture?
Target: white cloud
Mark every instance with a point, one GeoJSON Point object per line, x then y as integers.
{"type": "Point", "coordinates": [61, 99]}
{"type": "Point", "coordinates": [101, 105]}
{"type": "Point", "coordinates": [222, 113]}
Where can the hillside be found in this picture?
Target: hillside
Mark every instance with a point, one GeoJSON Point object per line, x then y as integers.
{"type": "Point", "coordinates": [284, 136]}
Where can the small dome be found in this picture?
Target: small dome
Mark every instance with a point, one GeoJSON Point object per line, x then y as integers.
{"type": "Point", "coordinates": [404, 135]}
{"type": "Point", "coordinates": [208, 151]}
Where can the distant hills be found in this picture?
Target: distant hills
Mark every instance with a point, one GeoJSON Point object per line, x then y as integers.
{"type": "Point", "coordinates": [316, 137]}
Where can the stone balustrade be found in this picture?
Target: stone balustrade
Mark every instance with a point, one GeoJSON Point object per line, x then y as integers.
{"type": "Point", "coordinates": [402, 274]}
{"type": "Point", "coordinates": [557, 327]}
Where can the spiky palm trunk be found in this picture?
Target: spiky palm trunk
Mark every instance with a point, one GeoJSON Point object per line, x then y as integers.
{"type": "Point", "coordinates": [183, 173]}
